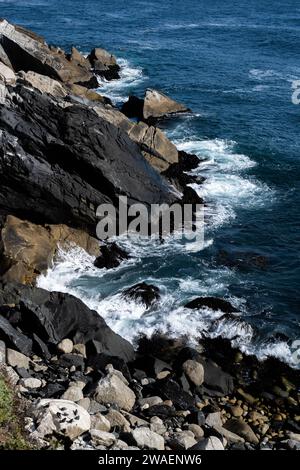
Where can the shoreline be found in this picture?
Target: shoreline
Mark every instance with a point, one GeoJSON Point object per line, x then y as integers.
{"type": "Point", "coordinates": [60, 356]}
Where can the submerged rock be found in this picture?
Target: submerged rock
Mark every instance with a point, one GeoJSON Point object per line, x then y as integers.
{"type": "Point", "coordinates": [213, 303]}
{"type": "Point", "coordinates": [111, 256]}
{"type": "Point", "coordinates": [148, 294]}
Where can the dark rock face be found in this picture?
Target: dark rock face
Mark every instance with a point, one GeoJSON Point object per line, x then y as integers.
{"type": "Point", "coordinates": [216, 381]}
{"type": "Point", "coordinates": [111, 256]}
{"type": "Point", "coordinates": [143, 292]}
{"type": "Point", "coordinates": [169, 389]}
{"type": "Point", "coordinates": [133, 108]}
{"type": "Point", "coordinates": [13, 338]}
{"type": "Point", "coordinates": [70, 160]}
{"type": "Point", "coordinates": [104, 64]}
{"type": "Point", "coordinates": [213, 303]}
{"type": "Point", "coordinates": [54, 316]}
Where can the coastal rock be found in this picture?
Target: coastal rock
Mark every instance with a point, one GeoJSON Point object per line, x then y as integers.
{"type": "Point", "coordinates": [105, 162]}
{"type": "Point", "coordinates": [182, 440]}
{"type": "Point", "coordinates": [150, 401]}
{"type": "Point", "coordinates": [216, 381]}
{"type": "Point", "coordinates": [55, 316]}
{"type": "Point", "coordinates": [27, 53]}
{"type": "Point", "coordinates": [157, 425]}
{"type": "Point", "coordinates": [100, 422]}
{"type": "Point", "coordinates": [86, 95]}
{"type": "Point", "coordinates": [111, 256]}
{"type": "Point", "coordinates": [42, 83]}
{"type": "Point", "coordinates": [27, 249]}
{"type": "Point", "coordinates": [7, 75]}
{"type": "Point", "coordinates": [31, 383]}
{"type": "Point", "coordinates": [157, 105]}
{"type": "Point", "coordinates": [16, 359]}
{"type": "Point", "coordinates": [112, 390]}
{"type": "Point", "coordinates": [65, 346]}
{"type": "Point", "coordinates": [104, 64]}
{"type": "Point", "coordinates": [154, 105]}
{"type": "Point", "coordinates": [197, 431]}
{"type": "Point", "coordinates": [145, 438]}
{"type": "Point", "coordinates": [14, 338]}
{"type": "Point", "coordinates": [211, 443]}
{"type": "Point", "coordinates": [73, 394]}
{"type": "Point", "coordinates": [117, 420]}
{"type": "Point", "coordinates": [102, 438]}
{"type": "Point", "coordinates": [212, 303]}
{"type": "Point", "coordinates": [61, 417]}
{"type": "Point", "coordinates": [2, 352]}
{"type": "Point", "coordinates": [239, 427]}
{"type": "Point", "coordinates": [194, 371]}
{"type": "Point", "coordinates": [145, 293]}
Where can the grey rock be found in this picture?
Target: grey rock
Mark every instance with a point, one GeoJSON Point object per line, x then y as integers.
{"type": "Point", "coordinates": [239, 427]}
{"type": "Point", "coordinates": [102, 438]}
{"type": "Point", "coordinates": [182, 440]}
{"type": "Point", "coordinates": [73, 394]}
{"type": "Point", "coordinates": [145, 438]}
{"type": "Point", "coordinates": [112, 390]}
{"type": "Point", "coordinates": [2, 352]}
{"type": "Point", "coordinates": [100, 422]}
{"type": "Point", "coordinates": [16, 359]}
{"type": "Point", "coordinates": [31, 383]}
{"type": "Point", "coordinates": [194, 371]}
{"type": "Point", "coordinates": [211, 443]}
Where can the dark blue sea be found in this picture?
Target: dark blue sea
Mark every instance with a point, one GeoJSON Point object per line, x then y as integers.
{"type": "Point", "coordinates": [233, 63]}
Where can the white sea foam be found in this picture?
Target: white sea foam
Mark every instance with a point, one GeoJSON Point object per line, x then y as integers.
{"type": "Point", "coordinates": [118, 90]}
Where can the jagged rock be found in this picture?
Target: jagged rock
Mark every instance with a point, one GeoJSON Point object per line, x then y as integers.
{"type": "Point", "coordinates": [27, 249]}
{"type": "Point", "coordinates": [61, 417]}
{"type": "Point", "coordinates": [104, 64]}
{"type": "Point", "coordinates": [26, 53]}
{"type": "Point", "coordinates": [112, 390]}
{"type": "Point", "coordinates": [135, 421]}
{"type": "Point", "coordinates": [155, 105]}
{"type": "Point", "coordinates": [14, 338]}
{"type": "Point", "coordinates": [170, 390]}
{"type": "Point", "coordinates": [17, 359]}
{"type": "Point", "coordinates": [213, 303]}
{"type": "Point", "coordinates": [65, 346]}
{"type": "Point", "coordinates": [111, 256]}
{"type": "Point", "coordinates": [182, 440]}
{"type": "Point", "coordinates": [214, 420]}
{"type": "Point", "coordinates": [157, 148]}
{"type": "Point", "coordinates": [55, 316]}
{"type": "Point", "coordinates": [145, 438]}
{"type": "Point", "coordinates": [102, 438]}
{"type": "Point", "coordinates": [100, 422]}
{"type": "Point", "coordinates": [148, 294]}
{"type": "Point", "coordinates": [211, 443]}
{"type": "Point", "coordinates": [216, 381]}
{"type": "Point", "coordinates": [194, 371]}
{"type": "Point", "coordinates": [87, 95]}
{"type": "Point", "coordinates": [87, 164]}
{"type": "Point", "coordinates": [11, 376]}
{"type": "Point", "coordinates": [42, 83]}
{"type": "Point", "coordinates": [239, 427]}
{"type": "Point", "coordinates": [80, 349]}
{"type": "Point", "coordinates": [7, 75]}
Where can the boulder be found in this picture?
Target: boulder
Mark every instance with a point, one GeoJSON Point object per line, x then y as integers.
{"type": "Point", "coordinates": [158, 105]}
{"type": "Point", "coordinates": [117, 420]}
{"type": "Point", "coordinates": [196, 430]}
{"type": "Point", "coordinates": [7, 75]}
{"type": "Point", "coordinates": [27, 53]}
{"type": "Point", "coordinates": [42, 83]}
{"type": "Point", "coordinates": [145, 438]}
{"type": "Point", "coordinates": [211, 443]}
{"type": "Point", "coordinates": [216, 381]}
{"type": "Point", "coordinates": [170, 390]}
{"type": "Point", "coordinates": [104, 64]}
{"type": "Point", "coordinates": [100, 422]}
{"type": "Point", "coordinates": [65, 346]}
{"type": "Point", "coordinates": [212, 303]}
{"type": "Point", "coordinates": [112, 390]}
{"type": "Point", "coordinates": [145, 293]}
{"type": "Point", "coordinates": [182, 440]}
{"type": "Point", "coordinates": [31, 383]}
{"type": "Point", "coordinates": [102, 438]}
{"type": "Point", "coordinates": [155, 105]}
{"type": "Point", "coordinates": [60, 417]}
{"type": "Point", "coordinates": [73, 394]}
{"type": "Point", "coordinates": [16, 359]}
{"type": "Point", "coordinates": [239, 427]}
{"type": "Point", "coordinates": [194, 371]}
{"type": "Point", "coordinates": [111, 256]}
{"type": "Point", "coordinates": [157, 425]}
{"type": "Point", "coordinates": [27, 249]}
{"type": "Point", "coordinates": [87, 165]}
{"type": "Point", "coordinates": [55, 316]}
{"type": "Point", "coordinates": [14, 338]}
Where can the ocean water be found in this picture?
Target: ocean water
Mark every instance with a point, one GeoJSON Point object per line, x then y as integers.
{"type": "Point", "coordinates": [233, 63]}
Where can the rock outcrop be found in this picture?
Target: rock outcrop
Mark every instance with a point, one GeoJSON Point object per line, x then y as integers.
{"type": "Point", "coordinates": [27, 250]}
{"type": "Point", "coordinates": [104, 64]}
{"type": "Point", "coordinates": [154, 106]}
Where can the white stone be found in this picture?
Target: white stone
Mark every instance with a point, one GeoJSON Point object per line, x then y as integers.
{"type": "Point", "coordinates": [62, 417]}
{"type": "Point", "coordinates": [31, 383]}
{"type": "Point", "coordinates": [157, 425]}
{"type": "Point", "coordinates": [185, 439]}
{"type": "Point", "coordinates": [100, 423]}
{"type": "Point", "coordinates": [112, 390]}
{"type": "Point", "coordinates": [145, 438]}
{"type": "Point", "coordinates": [65, 346]}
